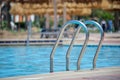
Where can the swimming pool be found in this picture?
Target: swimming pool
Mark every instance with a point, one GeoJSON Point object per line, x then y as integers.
{"type": "Point", "coordinates": [22, 60]}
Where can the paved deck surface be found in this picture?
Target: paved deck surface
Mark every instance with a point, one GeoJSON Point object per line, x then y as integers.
{"type": "Point", "coordinates": [97, 74]}
{"type": "Point", "coordinates": [109, 39]}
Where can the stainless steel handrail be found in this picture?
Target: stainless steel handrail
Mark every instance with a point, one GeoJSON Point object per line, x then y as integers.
{"type": "Point", "coordinates": [82, 51]}
{"type": "Point", "coordinates": [60, 34]}
{"type": "Point", "coordinates": [69, 49]}
{"type": "Point", "coordinates": [100, 42]}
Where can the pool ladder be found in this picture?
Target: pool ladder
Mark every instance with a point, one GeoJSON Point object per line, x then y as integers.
{"type": "Point", "coordinates": [80, 25]}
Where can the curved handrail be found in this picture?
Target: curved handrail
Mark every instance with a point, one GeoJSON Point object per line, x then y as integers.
{"type": "Point", "coordinates": [69, 49]}
{"type": "Point", "coordinates": [60, 34]}
{"type": "Point", "coordinates": [100, 42]}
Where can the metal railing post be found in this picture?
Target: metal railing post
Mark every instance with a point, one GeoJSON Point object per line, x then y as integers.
{"type": "Point", "coordinates": [60, 34]}
{"type": "Point", "coordinates": [83, 50]}
{"type": "Point", "coordinates": [69, 49]}
{"type": "Point", "coordinates": [100, 42]}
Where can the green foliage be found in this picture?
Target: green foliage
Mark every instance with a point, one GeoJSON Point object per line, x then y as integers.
{"type": "Point", "coordinates": [51, 23]}
{"type": "Point", "coordinates": [4, 25]}
{"type": "Point", "coordinates": [36, 24]}
{"type": "Point", "coordinates": [21, 25]}
{"type": "Point", "coordinates": [39, 23]}
{"type": "Point", "coordinates": [102, 14]}
{"type": "Point", "coordinates": [60, 23]}
{"type": "Point", "coordinates": [42, 22]}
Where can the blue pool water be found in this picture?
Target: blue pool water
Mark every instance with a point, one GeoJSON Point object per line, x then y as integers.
{"type": "Point", "coordinates": [22, 60]}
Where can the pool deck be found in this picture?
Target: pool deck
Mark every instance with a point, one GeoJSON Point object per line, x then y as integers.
{"type": "Point", "coordinates": [109, 39]}
{"type": "Point", "coordinates": [112, 73]}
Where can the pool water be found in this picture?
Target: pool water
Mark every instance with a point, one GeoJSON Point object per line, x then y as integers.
{"type": "Point", "coordinates": [22, 60]}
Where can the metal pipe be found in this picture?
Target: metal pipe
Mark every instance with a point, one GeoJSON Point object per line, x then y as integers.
{"type": "Point", "coordinates": [64, 13]}
{"type": "Point", "coordinates": [58, 39]}
{"type": "Point", "coordinates": [83, 49]}
{"type": "Point", "coordinates": [100, 42]}
{"type": "Point", "coordinates": [1, 14]}
{"type": "Point", "coordinates": [55, 13]}
{"type": "Point", "coordinates": [1, 17]}
{"type": "Point", "coordinates": [69, 49]}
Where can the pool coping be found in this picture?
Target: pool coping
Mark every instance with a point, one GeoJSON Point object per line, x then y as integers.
{"type": "Point", "coordinates": [71, 75]}
{"type": "Point", "coordinates": [109, 39]}
{"type": "Point", "coordinates": [34, 42]}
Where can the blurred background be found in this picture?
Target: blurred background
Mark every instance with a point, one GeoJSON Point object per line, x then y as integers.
{"type": "Point", "coordinates": [34, 17]}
